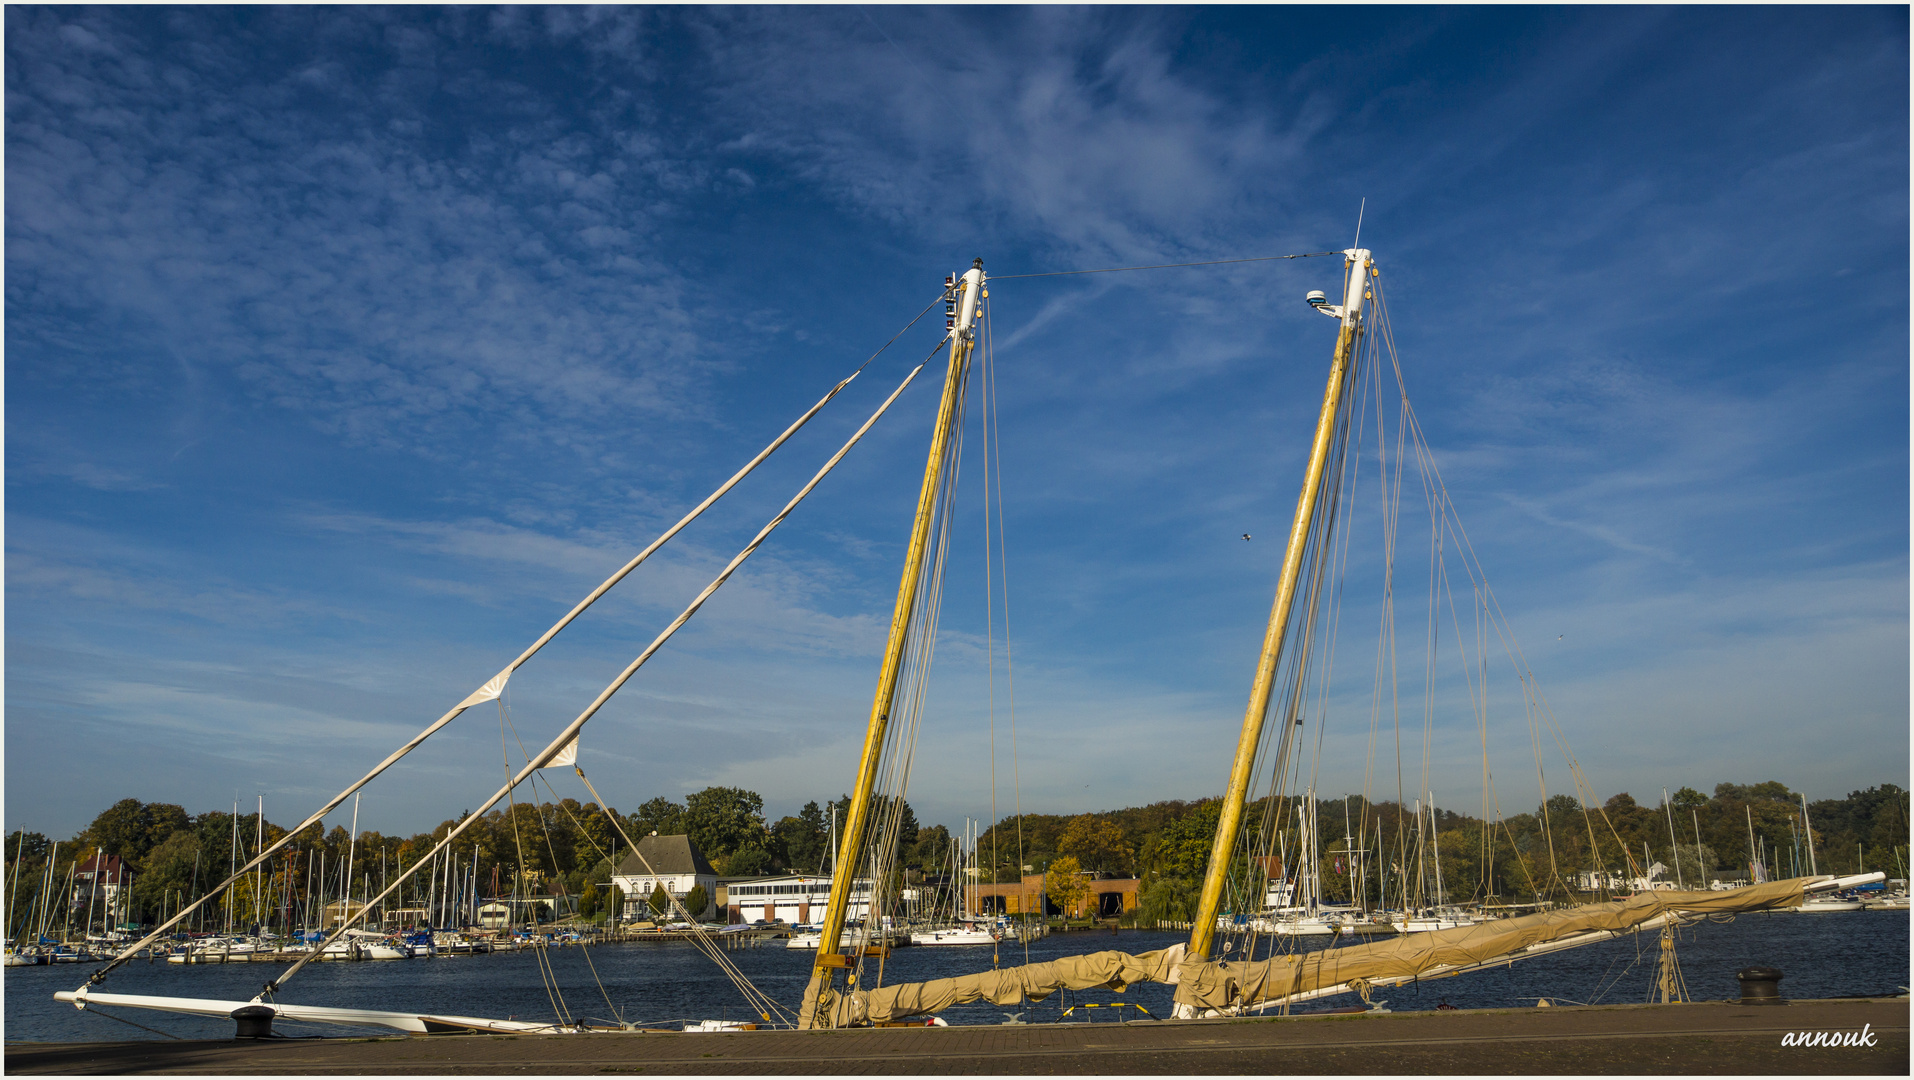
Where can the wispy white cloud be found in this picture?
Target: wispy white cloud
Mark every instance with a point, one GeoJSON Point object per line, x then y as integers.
{"type": "Point", "coordinates": [338, 271]}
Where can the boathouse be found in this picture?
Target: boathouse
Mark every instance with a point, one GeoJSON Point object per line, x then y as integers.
{"type": "Point", "coordinates": [790, 898]}
{"type": "Point", "coordinates": [672, 861]}
{"type": "Point", "coordinates": [1107, 898]}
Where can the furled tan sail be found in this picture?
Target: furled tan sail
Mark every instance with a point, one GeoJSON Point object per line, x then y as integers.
{"type": "Point", "coordinates": [1233, 985]}
{"type": "Point", "coordinates": [1004, 986]}
{"type": "Point", "coordinates": [1205, 985]}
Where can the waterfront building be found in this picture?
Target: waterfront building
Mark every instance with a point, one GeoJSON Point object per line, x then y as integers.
{"type": "Point", "coordinates": [98, 881]}
{"type": "Point", "coordinates": [671, 861]}
{"type": "Point", "coordinates": [503, 911]}
{"type": "Point", "coordinates": [340, 911]}
{"type": "Point", "coordinates": [1105, 898]}
{"type": "Point", "coordinates": [790, 898]}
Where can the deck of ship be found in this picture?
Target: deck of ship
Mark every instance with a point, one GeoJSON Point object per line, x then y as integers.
{"type": "Point", "coordinates": [1706, 1037]}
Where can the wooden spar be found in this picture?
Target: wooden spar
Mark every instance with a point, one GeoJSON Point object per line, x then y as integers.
{"type": "Point", "coordinates": [1356, 285]}
{"type": "Point", "coordinates": [857, 819]}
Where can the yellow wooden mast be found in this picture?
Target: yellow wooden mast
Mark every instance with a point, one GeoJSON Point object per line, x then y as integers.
{"type": "Point", "coordinates": [968, 291]}
{"type": "Point", "coordinates": [1355, 290]}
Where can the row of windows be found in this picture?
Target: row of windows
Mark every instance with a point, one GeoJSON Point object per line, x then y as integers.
{"type": "Point", "coordinates": [820, 889]}
{"type": "Point", "coordinates": [779, 890]}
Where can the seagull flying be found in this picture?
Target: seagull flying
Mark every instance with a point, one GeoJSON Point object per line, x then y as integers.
{"type": "Point", "coordinates": [1245, 536]}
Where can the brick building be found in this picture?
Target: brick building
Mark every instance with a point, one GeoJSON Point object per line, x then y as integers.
{"type": "Point", "coordinates": [1108, 898]}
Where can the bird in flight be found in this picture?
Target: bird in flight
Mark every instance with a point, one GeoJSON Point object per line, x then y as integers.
{"type": "Point", "coordinates": [1245, 536]}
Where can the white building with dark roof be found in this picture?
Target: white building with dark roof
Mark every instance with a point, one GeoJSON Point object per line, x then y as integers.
{"type": "Point", "coordinates": [671, 861]}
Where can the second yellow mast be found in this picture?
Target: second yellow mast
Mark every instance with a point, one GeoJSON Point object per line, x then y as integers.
{"type": "Point", "coordinates": [968, 291]}
{"type": "Point", "coordinates": [1355, 290]}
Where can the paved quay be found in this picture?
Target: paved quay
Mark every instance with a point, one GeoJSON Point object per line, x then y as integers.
{"type": "Point", "coordinates": [1705, 1038]}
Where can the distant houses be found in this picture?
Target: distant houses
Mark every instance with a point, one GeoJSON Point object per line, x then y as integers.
{"type": "Point", "coordinates": [99, 880]}
{"type": "Point", "coordinates": [103, 884]}
{"type": "Point", "coordinates": [671, 861]}
{"type": "Point", "coordinates": [506, 911]}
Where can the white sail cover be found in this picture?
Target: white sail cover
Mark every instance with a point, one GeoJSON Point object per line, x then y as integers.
{"type": "Point", "coordinates": [493, 687]}
{"type": "Point", "coordinates": [567, 755]}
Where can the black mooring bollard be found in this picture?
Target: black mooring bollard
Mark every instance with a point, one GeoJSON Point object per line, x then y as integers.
{"type": "Point", "coordinates": [255, 1021]}
{"type": "Point", "coordinates": [1760, 986]}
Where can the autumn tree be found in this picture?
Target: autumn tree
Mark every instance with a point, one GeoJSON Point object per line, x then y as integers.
{"type": "Point", "coordinates": [1096, 843]}
{"type": "Point", "coordinates": [1064, 882]}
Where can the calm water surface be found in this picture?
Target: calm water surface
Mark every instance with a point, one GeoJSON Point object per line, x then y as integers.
{"type": "Point", "coordinates": [1850, 953]}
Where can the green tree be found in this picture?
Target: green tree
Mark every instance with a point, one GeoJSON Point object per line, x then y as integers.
{"type": "Point", "coordinates": [1167, 900]}
{"type": "Point", "coordinates": [805, 837]}
{"type": "Point", "coordinates": [659, 815]}
{"type": "Point", "coordinates": [25, 849]}
{"type": "Point", "coordinates": [660, 901]}
{"type": "Point", "coordinates": [746, 862]}
{"type": "Point", "coordinates": [130, 828]}
{"type": "Point", "coordinates": [721, 820]}
{"type": "Point", "coordinates": [1182, 849]}
{"type": "Point", "coordinates": [931, 852]}
{"type": "Point", "coordinates": [696, 901]}
{"type": "Point", "coordinates": [588, 900]}
{"type": "Point", "coordinates": [167, 879]}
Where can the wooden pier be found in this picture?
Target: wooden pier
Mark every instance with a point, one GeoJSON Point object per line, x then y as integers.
{"type": "Point", "coordinates": [1707, 1038]}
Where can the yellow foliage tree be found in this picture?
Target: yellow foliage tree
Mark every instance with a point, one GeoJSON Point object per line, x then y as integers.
{"type": "Point", "coordinates": [1096, 843]}
{"type": "Point", "coordinates": [1065, 884]}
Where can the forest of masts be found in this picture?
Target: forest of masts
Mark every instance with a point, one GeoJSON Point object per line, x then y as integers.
{"type": "Point", "coordinates": [1379, 853]}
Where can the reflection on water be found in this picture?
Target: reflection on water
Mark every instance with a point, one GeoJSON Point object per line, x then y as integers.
{"type": "Point", "coordinates": [1852, 953]}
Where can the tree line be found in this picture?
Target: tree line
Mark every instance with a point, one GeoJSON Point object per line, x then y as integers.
{"type": "Point", "coordinates": [563, 847]}
{"type": "Point", "coordinates": [1560, 851]}
{"type": "Point", "coordinates": [1362, 846]}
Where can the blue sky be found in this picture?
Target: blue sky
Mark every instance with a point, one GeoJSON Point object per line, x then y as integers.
{"type": "Point", "coordinates": [346, 348]}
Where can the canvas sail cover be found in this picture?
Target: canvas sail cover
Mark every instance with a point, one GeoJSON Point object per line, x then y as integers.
{"type": "Point", "coordinates": [1005, 986]}
{"type": "Point", "coordinates": [1224, 985]}
{"type": "Point", "coordinates": [1212, 985]}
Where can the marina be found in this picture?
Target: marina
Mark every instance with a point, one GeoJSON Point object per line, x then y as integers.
{"type": "Point", "coordinates": [665, 984]}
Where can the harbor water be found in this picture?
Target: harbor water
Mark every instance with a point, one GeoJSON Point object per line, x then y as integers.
{"type": "Point", "coordinates": [656, 983]}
